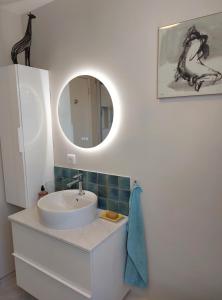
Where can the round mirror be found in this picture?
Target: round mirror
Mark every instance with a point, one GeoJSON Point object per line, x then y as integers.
{"type": "Point", "coordinates": [85, 111]}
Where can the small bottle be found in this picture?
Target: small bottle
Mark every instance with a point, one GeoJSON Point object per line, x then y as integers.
{"type": "Point", "coordinates": [43, 192]}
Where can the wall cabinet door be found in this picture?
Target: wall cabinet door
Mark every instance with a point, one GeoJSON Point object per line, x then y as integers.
{"type": "Point", "coordinates": [27, 139]}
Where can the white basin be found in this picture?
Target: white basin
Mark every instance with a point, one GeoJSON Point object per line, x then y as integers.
{"type": "Point", "coordinates": [67, 209]}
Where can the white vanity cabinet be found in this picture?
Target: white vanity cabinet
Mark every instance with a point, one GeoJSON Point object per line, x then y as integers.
{"type": "Point", "coordinates": [75, 264]}
{"type": "Point", "coordinates": [25, 131]}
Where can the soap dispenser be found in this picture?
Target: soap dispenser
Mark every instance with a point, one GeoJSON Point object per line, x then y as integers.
{"type": "Point", "coordinates": [43, 192]}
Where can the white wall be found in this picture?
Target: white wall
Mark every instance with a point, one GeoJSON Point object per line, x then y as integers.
{"type": "Point", "coordinates": [173, 148]}
{"type": "Point", "coordinates": [10, 32]}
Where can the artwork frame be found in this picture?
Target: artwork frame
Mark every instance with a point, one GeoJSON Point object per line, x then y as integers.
{"type": "Point", "coordinates": [190, 57]}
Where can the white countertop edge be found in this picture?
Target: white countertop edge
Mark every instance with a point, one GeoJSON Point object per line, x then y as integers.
{"type": "Point", "coordinates": [13, 218]}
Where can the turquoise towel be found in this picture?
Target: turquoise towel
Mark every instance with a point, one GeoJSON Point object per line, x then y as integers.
{"type": "Point", "coordinates": [136, 261]}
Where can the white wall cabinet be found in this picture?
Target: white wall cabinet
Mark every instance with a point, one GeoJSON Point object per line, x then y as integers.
{"type": "Point", "coordinates": [26, 133]}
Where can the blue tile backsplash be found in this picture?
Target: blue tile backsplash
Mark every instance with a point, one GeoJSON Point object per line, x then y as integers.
{"type": "Point", "coordinates": [113, 191]}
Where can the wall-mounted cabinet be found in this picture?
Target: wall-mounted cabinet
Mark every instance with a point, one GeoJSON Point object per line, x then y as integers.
{"type": "Point", "coordinates": [26, 133]}
{"type": "Point", "coordinates": [85, 263]}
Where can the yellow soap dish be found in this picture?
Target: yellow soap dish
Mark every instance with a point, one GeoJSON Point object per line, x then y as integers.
{"type": "Point", "coordinates": [104, 216]}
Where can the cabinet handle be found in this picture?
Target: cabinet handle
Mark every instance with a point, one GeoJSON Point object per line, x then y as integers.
{"type": "Point", "coordinates": [20, 140]}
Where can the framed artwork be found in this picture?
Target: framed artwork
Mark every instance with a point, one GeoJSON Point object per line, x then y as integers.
{"type": "Point", "coordinates": [190, 57]}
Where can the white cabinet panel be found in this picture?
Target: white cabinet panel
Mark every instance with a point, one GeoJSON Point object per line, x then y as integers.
{"type": "Point", "coordinates": [42, 260]}
{"type": "Point", "coordinates": [59, 258]}
{"type": "Point", "coordinates": [12, 157]}
{"type": "Point", "coordinates": [36, 126]}
{"type": "Point", "coordinates": [43, 285]}
{"type": "Point", "coordinates": [27, 140]}
{"type": "Point", "coordinates": [108, 264]}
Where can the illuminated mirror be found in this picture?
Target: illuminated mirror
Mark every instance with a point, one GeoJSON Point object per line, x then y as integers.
{"type": "Point", "coordinates": [85, 111]}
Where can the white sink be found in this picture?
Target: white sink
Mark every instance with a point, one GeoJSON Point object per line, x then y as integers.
{"type": "Point", "coordinates": [67, 209]}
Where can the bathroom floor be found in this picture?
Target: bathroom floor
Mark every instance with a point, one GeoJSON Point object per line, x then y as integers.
{"type": "Point", "coordinates": [10, 291]}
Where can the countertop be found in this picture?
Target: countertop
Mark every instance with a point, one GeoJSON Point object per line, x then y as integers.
{"type": "Point", "coordinates": [87, 238]}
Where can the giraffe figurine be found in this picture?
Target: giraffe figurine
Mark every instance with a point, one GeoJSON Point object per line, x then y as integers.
{"type": "Point", "coordinates": [24, 44]}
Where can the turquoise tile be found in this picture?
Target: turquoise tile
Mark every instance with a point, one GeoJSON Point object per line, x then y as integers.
{"type": "Point", "coordinates": [102, 203]}
{"type": "Point", "coordinates": [124, 196]}
{"type": "Point", "coordinates": [64, 183]}
{"type": "Point", "coordinates": [73, 172]}
{"type": "Point", "coordinates": [113, 181]}
{"type": "Point", "coordinates": [123, 208]}
{"type": "Point", "coordinates": [102, 191]}
{"type": "Point", "coordinates": [75, 186]}
{"type": "Point", "coordinates": [113, 193]}
{"type": "Point", "coordinates": [58, 180]}
{"type": "Point", "coordinates": [112, 205]}
{"type": "Point", "coordinates": [124, 183]}
{"type": "Point", "coordinates": [92, 187]}
{"type": "Point", "coordinates": [92, 177]}
{"type": "Point", "coordinates": [59, 184]}
{"type": "Point", "coordinates": [102, 179]}
{"type": "Point", "coordinates": [66, 173]}
{"type": "Point", "coordinates": [58, 172]}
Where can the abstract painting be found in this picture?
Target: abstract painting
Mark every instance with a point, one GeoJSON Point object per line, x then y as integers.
{"type": "Point", "coordinates": [190, 57]}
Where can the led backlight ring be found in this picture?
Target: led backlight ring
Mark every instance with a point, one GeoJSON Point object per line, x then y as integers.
{"type": "Point", "coordinates": [116, 108]}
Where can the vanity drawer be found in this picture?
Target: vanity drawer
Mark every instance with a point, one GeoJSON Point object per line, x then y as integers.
{"type": "Point", "coordinates": [69, 263]}
{"type": "Point", "coordinates": [42, 285]}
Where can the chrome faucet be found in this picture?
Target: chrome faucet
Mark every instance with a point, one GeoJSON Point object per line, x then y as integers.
{"type": "Point", "coordinates": [77, 179]}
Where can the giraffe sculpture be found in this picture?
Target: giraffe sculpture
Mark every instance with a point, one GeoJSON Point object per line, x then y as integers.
{"type": "Point", "coordinates": [24, 44]}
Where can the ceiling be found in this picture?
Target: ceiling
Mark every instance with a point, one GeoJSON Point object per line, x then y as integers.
{"type": "Point", "coordinates": [22, 6]}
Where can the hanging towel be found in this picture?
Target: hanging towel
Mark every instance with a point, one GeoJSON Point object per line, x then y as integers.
{"type": "Point", "coordinates": [136, 261]}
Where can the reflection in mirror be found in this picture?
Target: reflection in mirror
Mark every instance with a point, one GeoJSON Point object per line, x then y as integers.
{"type": "Point", "coordinates": [85, 111]}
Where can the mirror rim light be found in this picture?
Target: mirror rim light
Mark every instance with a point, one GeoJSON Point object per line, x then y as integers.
{"type": "Point", "coordinates": [116, 108]}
